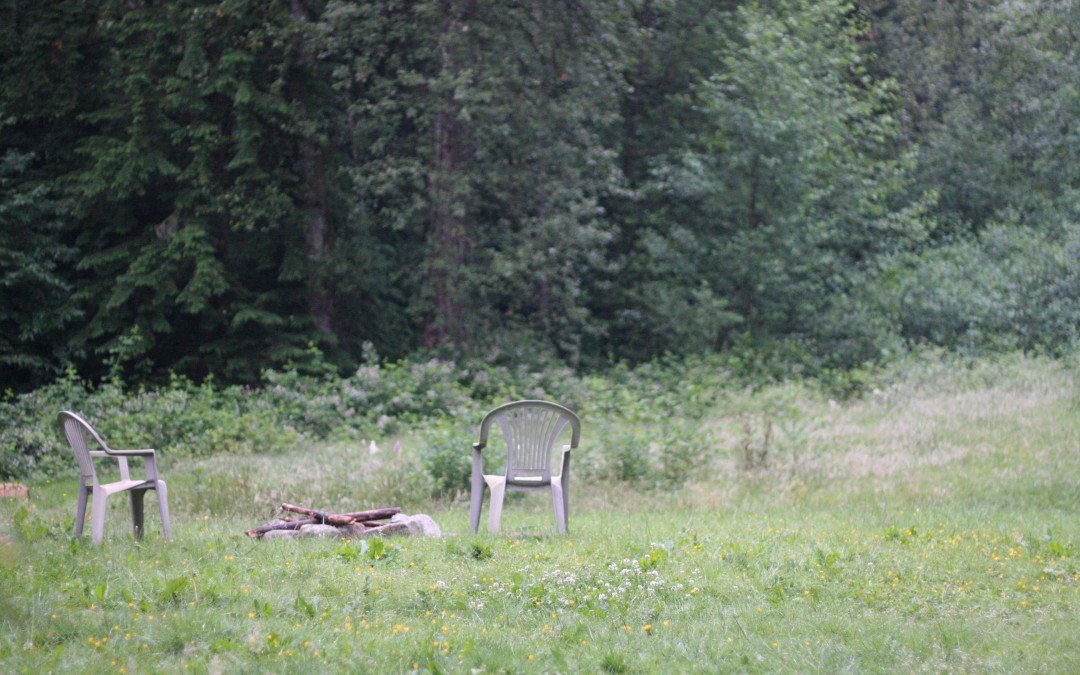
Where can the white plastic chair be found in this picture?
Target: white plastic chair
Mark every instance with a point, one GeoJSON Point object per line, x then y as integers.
{"type": "Point", "coordinates": [77, 431]}
{"type": "Point", "coordinates": [530, 429]}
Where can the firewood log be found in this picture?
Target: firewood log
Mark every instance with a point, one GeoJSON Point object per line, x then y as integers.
{"type": "Point", "coordinates": [343, 518]}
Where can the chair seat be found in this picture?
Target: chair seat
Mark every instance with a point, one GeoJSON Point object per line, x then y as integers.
{"type": "Point", "coordinates": [124, 485]}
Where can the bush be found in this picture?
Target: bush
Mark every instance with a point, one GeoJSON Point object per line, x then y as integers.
{"type": "Point", "coordinates": [1011, 287]}
{"type": "Point", "coordinates": [641, 425]}
{"type": "Point", "coordinates": [446, 457]}
{"type": "Point", "coordinates": [182, 419]}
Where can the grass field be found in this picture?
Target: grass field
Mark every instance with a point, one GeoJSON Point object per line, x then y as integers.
{"type": "Point", "coordinates": [929, 526]}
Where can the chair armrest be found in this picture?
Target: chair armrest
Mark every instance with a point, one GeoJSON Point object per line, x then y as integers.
{"type": "Point", "coordinates": [131, 453]}
{"type": "Point", "coordinates": [564, 465]}
{"type": "Point", "coordinates": [149, 459]}
{"type": "Point", "coordinates": [477, 461]}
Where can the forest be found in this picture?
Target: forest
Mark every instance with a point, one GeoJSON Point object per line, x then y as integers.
{"type": "Point", "coordinates": [217, 189]}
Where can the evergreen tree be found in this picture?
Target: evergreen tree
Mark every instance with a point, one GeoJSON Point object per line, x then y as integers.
{"type": "Point", "coordinates": [33, 289]}
{"type": "Point", "coordinates": [476, 129]}
{"type": "Point", "coordinates": [200, 213]}
{"type": "Point", "coordinates": [49, 66]}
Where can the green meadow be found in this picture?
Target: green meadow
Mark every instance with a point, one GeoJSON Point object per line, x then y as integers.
{"type": "Point", "coordinates": [928, 524]}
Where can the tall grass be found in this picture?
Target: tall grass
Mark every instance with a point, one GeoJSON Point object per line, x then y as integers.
{"type": "Point", "coordinates": [927, 526]}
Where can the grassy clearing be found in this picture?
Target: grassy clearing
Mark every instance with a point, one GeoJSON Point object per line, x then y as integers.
{"type": "Point", "coordinates": [929, 526]}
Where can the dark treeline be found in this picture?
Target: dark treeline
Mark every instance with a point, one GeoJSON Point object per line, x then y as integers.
{"type": "Point", "coordinates": [223, 187]}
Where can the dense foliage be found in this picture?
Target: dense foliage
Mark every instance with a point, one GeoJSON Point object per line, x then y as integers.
{"type": "Point", "coordinates": [212, 188]}
{"type": "Point", "coordinates": [438, 404]}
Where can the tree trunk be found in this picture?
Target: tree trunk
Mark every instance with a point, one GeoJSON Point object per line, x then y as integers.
{"type": "Point", "coordinates": [447, 236]}
{"type": "Point", "coordinates": [633, 155]}
{"type": "Point", "coordinates": [320, 299]}
{"type": "Point", "coordinates": [312, 169]}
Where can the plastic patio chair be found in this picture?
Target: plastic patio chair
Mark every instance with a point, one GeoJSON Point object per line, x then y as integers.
{"type": "Point", "coordinates": [530, 429]}
{"type": "Point", "coordinates": [77, 431]}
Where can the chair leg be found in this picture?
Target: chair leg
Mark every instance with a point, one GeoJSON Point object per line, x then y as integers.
{"type": "Point", "coordinates": [560, 505]}
{"type": "Point", "coordinates": [137, 519]}
{"type": "Point", "coordinates": [163, 506]}
{"type": "Point", "coordinates": [80, 512]}
{"type": "Point", "coordinates": [564, 482]}
{"type": "Point", "coordinates": [97, 516]}
{"type": "Point", "coordinates": [498, 491]}
{"type": "Point", "coordinates": [477, 503]}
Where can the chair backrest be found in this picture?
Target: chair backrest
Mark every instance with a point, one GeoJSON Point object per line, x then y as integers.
{"type": "Point", "coordinates": [531, 429]}
{"type": "Point", "coordinates": [78, 433]}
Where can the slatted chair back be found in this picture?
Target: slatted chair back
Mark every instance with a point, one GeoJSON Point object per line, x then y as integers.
{"type": "Point", "coordinates": [530, 430]}
{"type": "Point", "coordinates": [78, 432]}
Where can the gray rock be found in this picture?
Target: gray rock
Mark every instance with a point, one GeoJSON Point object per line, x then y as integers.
{"type": "Point", "coordinates": [324, 531]}
{"type": "Point", "coordinates": [387, 530]}
{"type": "Point", "coordinates": [421, 524]}
{"type": "Point", "coordinates": [354, 531]}
{"type": "Point", "coordinates": [399, 525]}
{"type": "Point", "coordinates": [281, 534]}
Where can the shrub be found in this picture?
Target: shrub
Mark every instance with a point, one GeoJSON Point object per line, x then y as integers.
{"type": "Point", "coordinates": [446, 457]}
{"type": "Point", "coordinates": [641, 425]}
{"type": "Point", "coordinates": [1010, 287]}
{"type": "Point", "coordinates": [181, 418]}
